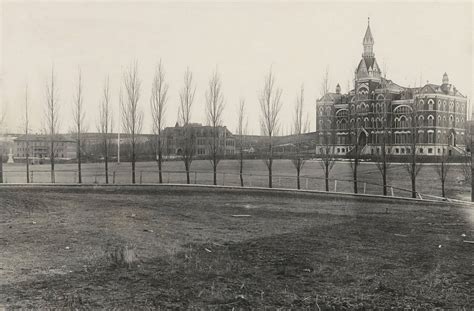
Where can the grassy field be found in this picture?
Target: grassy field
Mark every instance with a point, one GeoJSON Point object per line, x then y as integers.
{"type": "Point", "coordinates": [193, 249]}
{"type": "Point", "coordinates": [256, 175]}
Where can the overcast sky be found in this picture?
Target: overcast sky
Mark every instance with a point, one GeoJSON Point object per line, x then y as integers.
{"type": "Point", "coordinates": [413, 42]}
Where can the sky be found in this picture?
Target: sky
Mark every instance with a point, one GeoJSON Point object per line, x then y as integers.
{"type": "Point", "coordinates": [414, 42]}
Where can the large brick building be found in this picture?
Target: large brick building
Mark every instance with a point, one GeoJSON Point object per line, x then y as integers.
{"type": "Point", "coordinates": [202, 140]}
{"type": "Point", "coordinates": [378, 106]}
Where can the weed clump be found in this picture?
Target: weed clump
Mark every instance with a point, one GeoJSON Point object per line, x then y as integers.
{"type": "Point", "coordinates": [123, 255]}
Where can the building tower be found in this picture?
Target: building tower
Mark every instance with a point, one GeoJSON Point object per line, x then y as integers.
{"type": "Point", "coordinates": [368, 69]}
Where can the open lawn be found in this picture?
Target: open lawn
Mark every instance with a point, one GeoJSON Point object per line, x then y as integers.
{"type": "Point", "coordinates": [205, 248]}
{"type": "Point", "coordinates": [256, 175]}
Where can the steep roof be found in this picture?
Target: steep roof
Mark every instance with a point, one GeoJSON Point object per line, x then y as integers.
{"type": "Point", "coordinates": [329, 97]}
{"type": "Point", "coordinates": [368, 38]}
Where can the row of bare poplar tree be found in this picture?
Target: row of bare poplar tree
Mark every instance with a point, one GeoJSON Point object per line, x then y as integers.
{"type": "Point", "coordinates": [131, 116]}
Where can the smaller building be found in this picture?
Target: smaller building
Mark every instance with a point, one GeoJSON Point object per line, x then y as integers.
{"type": "Point", "coordinates": [38, 147]}
{"type": "Point", "coordinates": [202, 139]}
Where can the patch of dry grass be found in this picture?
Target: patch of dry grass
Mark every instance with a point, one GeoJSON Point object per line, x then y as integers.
{"type": "Point", "coordinates": [185, 250]}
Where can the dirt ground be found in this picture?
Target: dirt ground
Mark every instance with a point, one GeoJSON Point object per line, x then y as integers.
{"type": "Point", "coordinates": [230, 249]}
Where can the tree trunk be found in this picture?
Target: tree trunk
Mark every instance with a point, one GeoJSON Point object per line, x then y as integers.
{"type": "Point", "coordinates": [270, 173]}
{"type": "Point", "coordinates": [443, 192]}
{"type": "Point", "coordinates": [53, 179]}
{"type": "Point", "coordinates": [214, 167]}
{"type": "Point", "coordinates": [79, 172]}
{"type": "Point", "coordinates": [241, 169]}
{"type": "Point", "coordinates": [1, 167]}
{"type": "Point", "coordinates": [298, 177]}
{"type": "Point", "coordinates": [215, 176]}
{"type": "Point", "coordinates": [106, 159]}
{"type": "Point", "coordinates": [326, 176]}
{"type": "Point", "coordinates": [27, 165]}
{"type": "Point", "coordinates": [160, 160]}
{"type": "Point", "coordinates": [133, 163]}
{"type": "Point", "coordinates": [384, 177]}
{"type": "Point", "coordinates": [186, 165]}
{"type": "Point", "coordinates": [355, 175]}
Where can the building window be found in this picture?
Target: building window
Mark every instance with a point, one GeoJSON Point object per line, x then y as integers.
{"type": "Point", "coordinates": [421, 150]}
{"type": "Point", "coordinates": [430, 120]}
{"type": "Point", "coordinates": [397, 150]}
{"type": "Point", "coordinates": [421, 103]}
{"type": "Point", "coordinates": [430, 150]}
{"type": "Point", "coordinates": [420, 137]}
{"type": "Point", "coordinates": [430, 104]}
{"type": "Point", "coordinates": [430, 137]}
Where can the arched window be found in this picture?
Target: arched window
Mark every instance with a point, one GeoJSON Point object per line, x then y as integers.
{"type": "Point", "coordinates": [420, 120]}
{"type": "Point", "coordinates": [430, 137]}
{"type": "Point", "coordinates": [430, 120]}
{"type": "Point", "coordinates": [363, 91]}
{"type": "Point", "coordinates": [445, 105]}
{"type": "Point", "coordinates": [403, 122]}
{"type": "Point", "coordinates": [430, 104]}
{"type": "Point", "coordinates": [342, 124]}
{"type": "Point", "coordinates": [421, 104]}
{"type": "Point", "coordinates": [451, 121]}
{"type": "Point", "coordinates": [439, 121]}
{"type": "Point", "coordinates": [380, 97]}
{"type": "Point", "coordinates": [420, 137]}
{"type": "Point", "coordinates": [445, 122]}
{"type": "Point", "coordinates": [366, 123]}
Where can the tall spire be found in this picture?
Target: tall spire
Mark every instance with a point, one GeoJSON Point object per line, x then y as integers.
{"type": "Point", "coordinates": [368, 42]}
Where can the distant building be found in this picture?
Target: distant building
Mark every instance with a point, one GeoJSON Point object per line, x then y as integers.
{"type": "Point", "coordinates": [440, 111]}
{"type": "Point", "coordinates": [38, 147]}
{"type": "Point", "coordinates": [203, 137]}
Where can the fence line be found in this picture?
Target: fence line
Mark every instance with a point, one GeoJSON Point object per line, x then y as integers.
{"type": "Point", "coordinates": [341, 185]}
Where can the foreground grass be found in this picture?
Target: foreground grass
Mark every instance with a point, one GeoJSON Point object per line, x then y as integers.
{"type": "Point", "coordinates": [293, 251]}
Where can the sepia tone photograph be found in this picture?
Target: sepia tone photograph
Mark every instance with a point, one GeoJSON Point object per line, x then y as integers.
{"type": "Point", "coordinates": [236, 155]}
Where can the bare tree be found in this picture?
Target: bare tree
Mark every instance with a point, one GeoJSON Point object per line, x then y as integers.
{"type": "Point", "coordinates": [78, 117]}
{"type": "Point", "coordinates": [356, 135]}
{"type": "Point", "coordinates": [188, 143]}
{"type": "Point", "coordinates": [105, 125]}
{"type": "Point", "coordinates": [270, 106]}
{"type": "Point", "coordinates": [326, 151]}
{"type": "Point", "coordinates": [382, 135]}
{"type": "Point", "coordinates": [159, 93]}
{"type": "Point", "coordinates": [300, 126]}
{"type": "Point", "coordinates": [412, 166]}
{"type": "Point", "coordinates": [214, 109]}
{"type": "Point", "coordinates": [325, 83]}
{"type": "Point", "coordinates": [27, 124]}
{"type": "Point", "coordinates": [132, 116]}
{"type": "Point", "coordinates": [52, 119]}
{"type": "Point", "coordinates": [241, 131]}
{"type": "Point", "coordinates": [442, 169]}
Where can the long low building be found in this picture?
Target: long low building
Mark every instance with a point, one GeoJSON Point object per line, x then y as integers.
{"type": "Point", "coordinates": [38, 147]}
